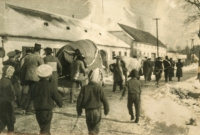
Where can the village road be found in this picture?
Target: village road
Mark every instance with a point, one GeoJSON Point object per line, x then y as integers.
{"type": "Point", "coordinates": [117, 122]}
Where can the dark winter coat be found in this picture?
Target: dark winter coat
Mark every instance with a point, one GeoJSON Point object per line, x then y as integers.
{"type": "Point", "coordinates": [167, 65]}
{"type": "Point", "coordinates": [179, 72]}
{"type": "Point", "coordinates": [134, 86]}
{"type": "Point", "coordinates": [171, 69]}
{"type": "Point", "coordinates": [146, 67]}
{"type": "Point", "coordinates": [92, 97]}
{"type": "Point", "coordinates": [7, 96]}
{"type": "Point", "coordinates": [117, 71]}
{"type": "Point", "coordinates": [6, 90]}
{"type": "Point", "coordinates": [44, 94]}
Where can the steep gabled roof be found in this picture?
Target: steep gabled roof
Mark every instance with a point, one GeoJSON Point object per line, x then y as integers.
{"type": "Point", "coordinates": [141, 36]}
{"type": "Point", "coordinates": [30, 23]}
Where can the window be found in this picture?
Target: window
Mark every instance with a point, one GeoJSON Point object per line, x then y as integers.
{"type": "Point", "coordinates": [125, 53]}
{"type": "Point", "coordinates": [24, 49]}
{"type": "Point", "coordinates": [120, 53]}
{"type": "Point", "coordinates": [113, 54]}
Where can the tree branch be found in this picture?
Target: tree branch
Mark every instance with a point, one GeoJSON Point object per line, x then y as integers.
{"type": "Point", "coordinates": [195, 2]}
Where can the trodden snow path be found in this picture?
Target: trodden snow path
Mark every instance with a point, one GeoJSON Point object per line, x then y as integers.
{"type": "Point", "coordinates": [161, 115]}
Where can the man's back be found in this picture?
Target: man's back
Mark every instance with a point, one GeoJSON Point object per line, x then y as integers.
{"type": "Point", "coordinates": [92, 97]}
{"type": "Point", "coordinates": [44, 94]}
{"type": "Point", "coordinates": [31, 63]}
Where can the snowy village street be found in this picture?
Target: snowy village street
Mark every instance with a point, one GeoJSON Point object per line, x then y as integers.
{"type": "Point", "coordinates": [163, 113]}
{"type": "Point", "coordinates": [52, 51]}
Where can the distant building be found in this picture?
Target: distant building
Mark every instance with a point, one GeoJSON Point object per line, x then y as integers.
{"type": "Point", "coordinates": [142, 43]}
{"type": "Point", "coordinates": [24, 27]}
{"type": "Point", "coordinates": [176, 56]}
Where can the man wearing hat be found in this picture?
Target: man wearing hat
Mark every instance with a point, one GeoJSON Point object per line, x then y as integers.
{"type": "Point", "coordinates": [54, 63]}
{"type": "Point", "coordinates": [134, 88]}
{"type": "Point", "coordinates": [159, 67]}
{"type": "Point", "coordinates": [146, 68]}
{"type": "Point", "coordinates": [78, 72]}
{"type": "Point", "coordinates": [167, 66]}
{"type": "Point", "coordinates": [179, 72]}
{"type": "Point", "coordinates": [44, 94]}
{"type": "Point", "coordinates": [118, 73]}
{"type": "Point", "coordinates": [31, 63]}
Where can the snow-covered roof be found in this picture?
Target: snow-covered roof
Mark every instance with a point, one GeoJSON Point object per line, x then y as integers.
{"type": "Point", "coordinates": [141, 36]}
{"type": "Point", "coordinates": [23, 22]}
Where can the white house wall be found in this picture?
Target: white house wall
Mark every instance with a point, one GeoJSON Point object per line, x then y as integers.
{"type": "Point", "coordinates": [109, 51]}
{"type": "Point", "coordinates": [10, 44]}
{"type": "Point", "coordinates": [143, 49]}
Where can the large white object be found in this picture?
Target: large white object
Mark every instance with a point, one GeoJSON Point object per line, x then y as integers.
{"type": "Point", "coordinates": [131, 63]}
{"type": "Point", "coordinates": [44, 70]}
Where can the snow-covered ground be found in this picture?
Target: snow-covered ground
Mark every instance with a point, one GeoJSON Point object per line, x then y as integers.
{"type": "Point", "coordinates": [165, 111]}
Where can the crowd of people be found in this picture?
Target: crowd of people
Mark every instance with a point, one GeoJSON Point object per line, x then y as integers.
{"type": "Point", "coordinates": [159, 66]}
{"type": "Point", "coordinates": [32, 83]}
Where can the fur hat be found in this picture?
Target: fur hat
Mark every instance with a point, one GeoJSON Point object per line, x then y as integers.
{"type": "Point", "coordinates": [133, 73]}
{"type": "Point", "coordinates": [44, 70]}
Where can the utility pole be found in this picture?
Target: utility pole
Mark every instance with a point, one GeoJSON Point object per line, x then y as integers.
{"type": "Point", "coordinates": [192, 45]}
{"type": "Point", "coordinates": [102, 7]}
{"type": "Point", "coordinates": [157, 35]}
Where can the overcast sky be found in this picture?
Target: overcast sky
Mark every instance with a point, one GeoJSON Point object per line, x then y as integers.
{"type": "Point", "coordinates": [107, 13]}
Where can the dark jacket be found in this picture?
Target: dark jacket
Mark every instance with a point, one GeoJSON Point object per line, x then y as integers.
{"type": "Point", "coordinates": [6, 90]}
{"type": "Point", "coordinates": [118, 71]}
{"type": "Point", "coordinates": [44, 94]}
{"type": "Point", "coordinates": [92, 97]}
{"type": "Point", "coordinates": [158, 66]}
{"type": "Point", "coordinates": [167, 65]}
{"type": "Point", "coordinates": [134, 87]}
{"type": "Point", "coordinates": [179, 72]}
{"type": "Point", "coordinates": [146, 66]}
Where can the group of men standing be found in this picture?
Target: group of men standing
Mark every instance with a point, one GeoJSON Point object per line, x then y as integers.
{"type": "Point", "coordinates": [25, 71]}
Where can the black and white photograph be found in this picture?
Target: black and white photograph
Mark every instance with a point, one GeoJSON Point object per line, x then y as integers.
{"type": "Point", "coordinates": [100, 67]}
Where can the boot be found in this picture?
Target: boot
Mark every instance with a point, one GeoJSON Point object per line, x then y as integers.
{"type": "Point", "coordinates": [136, 120]}
{"type": "Point", "coordinates": [132, 117]}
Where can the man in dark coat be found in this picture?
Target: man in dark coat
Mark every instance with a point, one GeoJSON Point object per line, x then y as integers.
{"type": "Point", "coordinates": [7, 96]}
{"type": "Point", "coordinates": [54, 63]}
{"type": "Point", "coordinates": [146, 68]}
{"type": "Point", "coordinates": [151, 69]}
{"type": "Point", "coordinates": [118, 72]}
{"type": "Point", "coordinates": [171, 69]}
{"type": "Point", "coordinates": [134, 88]}
{"type": "Point", "coordinates": [91, 98]}
{"type": "Point", "coordinates": [44, 94]}
{"type": "Point", "coordinates": [167, 66]}
{"type": "Point", "coordinates": [159, 67]}
{"type": "Point", "coordinates": [179, 72]}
